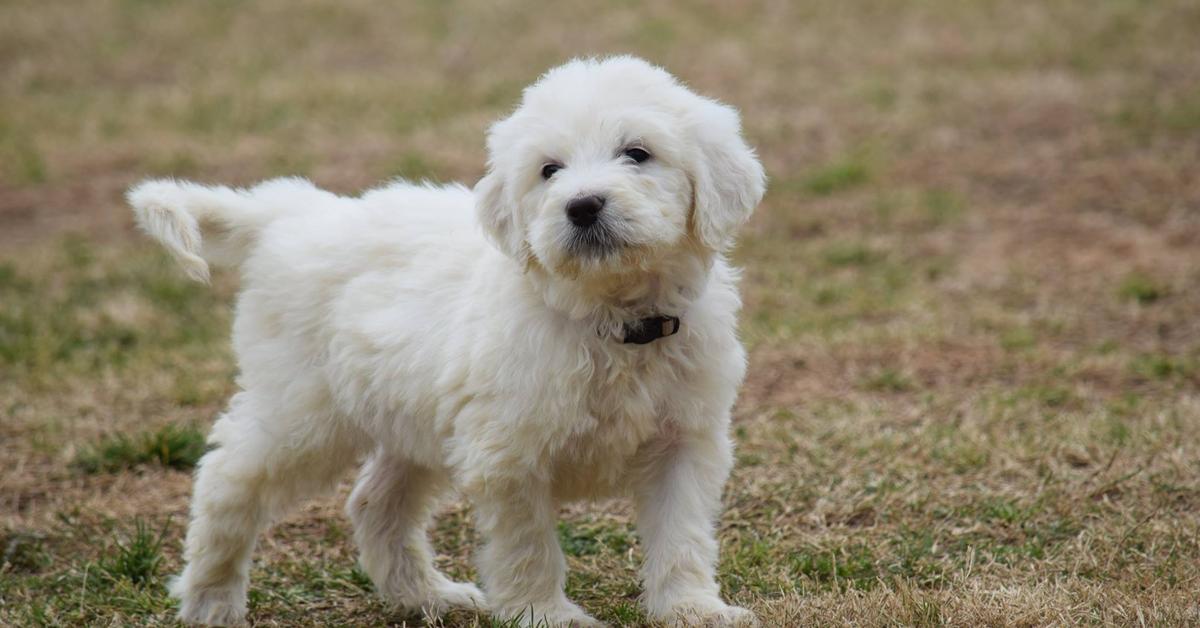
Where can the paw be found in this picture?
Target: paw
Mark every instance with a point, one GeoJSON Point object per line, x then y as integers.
{"type": "Point", "coordinates": [449, 594]}
{"type": "Point", "coordinates": [711, 615]}
{"type": "Point", "coordinates": [565, 615]}
{"type": "Point", "coordinates": [211, 607]}
{"type": "Point", "coordinates": [434, 597]}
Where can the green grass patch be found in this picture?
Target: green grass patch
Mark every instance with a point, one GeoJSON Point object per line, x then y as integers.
{"type": "Point", "coordinates": [864, 292]}
{"type": "Point", "coordinates": [623, 614]}
{"type": "Point", "coordinates": [850, 254]}
{"type": "Point", "coordinates": [24, 552]}
{"type": "Point", "coordinates": [1141, 289]}
{"type": "Point", "coordinates": [852, 566]}
{"type": "Point", "coordinates": [1000, 510]}
{"type": "Point", "coordinates": [29, 166]}
{"type": "Point", "coordinates": [943, 207]}
{"type": "Point", "coordinates": [137, 559]}
{"type": "Point", "coordinates": [1153, 116]}
{"type": "Point", "coordinates": [414, 166]}
{"type": "Point", "coordinates": [1018, 338]}
{"type": "Point", "coordinates": [1160, 366]}
{"type": "Point", "coordinates": [881, 95]}
{"type": "Point", "coordinates": [531, 621]}
{"type": "Point", "coordinates": [918, 556]}
{"type": "Point", "coordinates": [752, 563]}
{"type": "Point", "coordinates": [93, 311]}
{"type": "Point", "coordinates": [888, 380]}
{"type": "Point", "coordinates": [829, 295]}
{"type": "Point", "coordinates": [587, 539]}
{"type": "Point", "coordinates": [173, 446]}
{"type": "Point", "coordinates": [1046, 395]}
{"type": "Point", "coordinates": [961, 456]}
{"type": "Point", "coordinates": [837, 176]}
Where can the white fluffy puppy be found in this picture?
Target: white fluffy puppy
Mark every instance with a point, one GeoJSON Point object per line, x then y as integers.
{"type": "Point", "coordinates": [585, 348]}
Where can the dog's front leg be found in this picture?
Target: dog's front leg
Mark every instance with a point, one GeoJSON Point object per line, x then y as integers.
{"type": "Point", "coordinates": [678, 499]}
{"type": "Point", "coordinates": [521, 564]}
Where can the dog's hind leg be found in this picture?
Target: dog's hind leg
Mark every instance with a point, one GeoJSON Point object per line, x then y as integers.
{"type": "Point", "coordinates": [256, 472]}
{"type": "Point", "coordinates": [391, 507]}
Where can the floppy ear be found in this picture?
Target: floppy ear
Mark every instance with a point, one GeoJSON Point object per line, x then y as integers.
{"type": "Point", "coordinates": [496, 215]}
{"type": "Point", "coordinates": [727, 179]}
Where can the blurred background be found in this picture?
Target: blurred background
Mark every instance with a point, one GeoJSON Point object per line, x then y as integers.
{"type": "Point", "coordinates": [971, 305]}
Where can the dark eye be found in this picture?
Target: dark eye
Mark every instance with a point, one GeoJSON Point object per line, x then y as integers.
{"type": "Point", "coordinates": [548, 170]}
{"type": "Point", "coordinates": [637, 154]}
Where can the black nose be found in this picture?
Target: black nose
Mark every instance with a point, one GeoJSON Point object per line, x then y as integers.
{"type": "Point", "coordinates": [584, 211]}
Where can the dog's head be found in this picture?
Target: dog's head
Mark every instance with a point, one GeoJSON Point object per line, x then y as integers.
{"type": "Point", "coordinates": [608, 164]}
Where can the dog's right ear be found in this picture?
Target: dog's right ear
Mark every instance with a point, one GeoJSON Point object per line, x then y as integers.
{"type": "Point", "coordinates": [496, 213]}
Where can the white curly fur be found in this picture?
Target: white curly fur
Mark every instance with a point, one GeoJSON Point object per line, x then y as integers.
{"type": "Point", "coordinates": [387, 327]}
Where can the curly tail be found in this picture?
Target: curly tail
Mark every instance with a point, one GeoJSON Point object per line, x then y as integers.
{"type": "Point", "coordinates": [202, 224]}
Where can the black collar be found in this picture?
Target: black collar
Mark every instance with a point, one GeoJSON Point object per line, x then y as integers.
{"type": "Point", "coordinates": [647, 330]}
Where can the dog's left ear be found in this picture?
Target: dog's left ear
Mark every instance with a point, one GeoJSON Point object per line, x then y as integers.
{"type": "Point", "coordinates": [727, 179]}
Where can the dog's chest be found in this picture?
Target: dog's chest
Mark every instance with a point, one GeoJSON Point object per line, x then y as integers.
{"type": "Point", "coordinates": [627, 405]}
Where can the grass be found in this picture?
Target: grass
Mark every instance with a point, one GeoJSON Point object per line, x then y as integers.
{"type": "Point", "coordinates": [840, 567]}
{"type": "Point", "coordinates": [24, 552]}
{"type": "Point", "coordinates": [1140, 289]}
{"type": "Point", "coordinates": [171, 446]}
{"type": "Point", "coordinates": [888, 380]}
{"type": "Point", "coordinates": [138, 558]}
{"type": "Point", "coordinates": [587, 540]}
{"type": "Point", "coordinates": [837, 176]}
{"type": "Point", "coordinates": [850, 254]}
{"type": "Point", "coordinates": [973, 375]}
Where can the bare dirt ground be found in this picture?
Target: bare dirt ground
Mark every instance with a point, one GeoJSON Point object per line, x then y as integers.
{"type": "Point", "coordinates": [971, 292]}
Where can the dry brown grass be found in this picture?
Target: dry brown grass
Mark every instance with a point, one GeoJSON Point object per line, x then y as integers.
{"type": "Point", "coordinates": [971, 291]}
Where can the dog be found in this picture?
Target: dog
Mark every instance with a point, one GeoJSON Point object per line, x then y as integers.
{"type": "Point", "coordinates": [566, 330]}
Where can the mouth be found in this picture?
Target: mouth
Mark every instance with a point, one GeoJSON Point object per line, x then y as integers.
{"type": "Point", "coordinates": [596, 241]}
